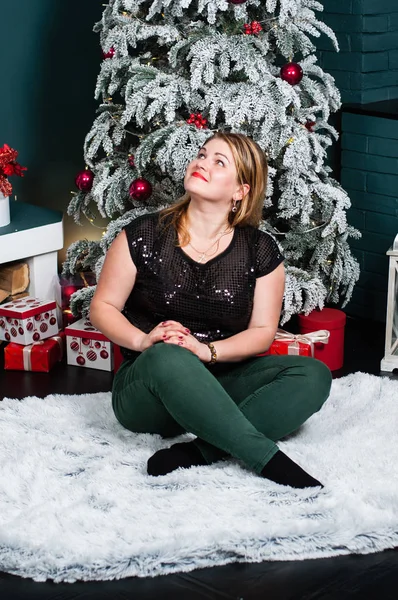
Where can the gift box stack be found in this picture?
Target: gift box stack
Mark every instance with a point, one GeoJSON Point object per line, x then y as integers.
{"type": "Point", "coordinates": [31, 327]}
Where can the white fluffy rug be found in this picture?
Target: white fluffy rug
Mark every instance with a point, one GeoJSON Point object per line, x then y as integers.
{"type": "Point", "coordinates": [76, 502]}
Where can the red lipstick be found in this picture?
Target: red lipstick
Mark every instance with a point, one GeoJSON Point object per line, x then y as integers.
{"type": "Point", "coordinates": [196, 174]}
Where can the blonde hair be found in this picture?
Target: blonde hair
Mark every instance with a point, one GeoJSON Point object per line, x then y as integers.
{"type": "Point", "coordinates": [252, 169]}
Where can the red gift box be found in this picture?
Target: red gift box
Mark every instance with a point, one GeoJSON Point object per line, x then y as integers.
{"type": "Point", "coordinates": [297, 345]}
{"type": "Point", "coordinates": [40, 356]}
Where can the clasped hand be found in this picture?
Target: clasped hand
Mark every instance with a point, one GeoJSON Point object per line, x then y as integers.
{"type": "Point", "coordinates": [172, 332]}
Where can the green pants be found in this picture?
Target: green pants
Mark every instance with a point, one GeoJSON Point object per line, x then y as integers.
{"type": "Point", "coordinates": [234, 409]}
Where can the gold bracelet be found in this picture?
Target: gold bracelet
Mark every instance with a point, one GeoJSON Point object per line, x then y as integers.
{"type": "Point", "coordinates": [213, 353]}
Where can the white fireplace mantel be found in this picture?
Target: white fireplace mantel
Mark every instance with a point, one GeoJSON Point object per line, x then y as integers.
{"type": "Point", "coordinates": [35, 234]}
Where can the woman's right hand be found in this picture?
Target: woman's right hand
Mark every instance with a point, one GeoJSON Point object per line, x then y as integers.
{"type": "Point", "coordinates": [162, 332]}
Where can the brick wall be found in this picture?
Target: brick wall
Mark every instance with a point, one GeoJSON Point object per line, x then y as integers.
{"type": "Point", "coordinates": [366, 68]}
{"type": "Point", "coordinates": [370, 176]}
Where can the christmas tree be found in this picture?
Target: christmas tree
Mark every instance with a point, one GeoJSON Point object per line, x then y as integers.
{"type": "Point", "coordinates": [175, 71]}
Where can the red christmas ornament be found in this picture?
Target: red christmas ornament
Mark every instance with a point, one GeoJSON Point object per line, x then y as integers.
{"type": "Point", "coordinates": [97, 345]}
{"type": "Point", "coordinates": [20, 330]}
{"type": "Point", "coordinates": [84, 180]}
{"type": "Point", "coordinates": [53, 320]}
{"type": "Point", "coordinates": [140, 189]}
{"type": "Point", "coordinates": [292, 73]}
{"type": "Point", "coordinates": [198, 120]}
{"type": "Point", "coordinates": [91, 355]}
{"type": "Point", "coordinates": [310, 125]}
{"type": "Point", "coordinates": [74, 346]}
{"type": "Point", "coordinates": [86, 341]}
{"type": "Point", "coordinates": [29, 326]}
{"type": "Point", "coordinates": [252, 28]}
{"type": "Point", "coordinates": [104, 354]}
{"type": "Point", "coordinates": [109, 54]}
{"type": "Point", "coordinates": [7, 336]}
{"type": "Point", "coordinates": [13, 332]}
{"type": "Point", "coordinates": [81, 360]}
{"type": "Point", "coordinates": [43, 327]}
{"type": "Point", "coordinates": [131, 160]}
{"type": "Point", "coordinates": [36, 337]}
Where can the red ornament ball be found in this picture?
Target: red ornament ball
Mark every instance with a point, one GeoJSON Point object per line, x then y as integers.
{"type": "Point", "coordinates": [37, 317]}
{"type": "Point", "coordinates": [29, 326]}
{"type": "Point", "coordinates": [9, 320]}
{"type": "Point", "coordinates": [13, 332]}
{"type": "Point", "coordinates": [310, 125]}
{"type": "Point", "coordinates": [43, 327]}
{"type": "Point", "coordinates": [2, 323]}
{"type": "Point", "coordinates": [74, 346]}
{"type": "Point", "coordinates": [292, 73]}
{"type": "Point", "coordinates": [86, 341]}
{"type": "Point", "coordinates": [53, 320]}
{"type": "Point", "coordinates": [140, 189]}
{"type": "Point", "coordinates": [91, 355]}
{"type": "Point", "coordinates": [97, 345]}
{"type": "Point", "coordinates": [109, 54]}
{"type": "Point", "coordinates": [20, 330]}
{"type": "Point", "coordinates": [81, 360]}
{"type": "Point", "coordinates": [36, 337]}
{"type": "Point", "coordinates": [7, 336]}
{"type": "Point", "coordinates": [104, 354]}
{"type": "Point", "coordinates": [84, 180]}
{"type": "Point", "coordinates": [131, 160]}
{"type": "Point", "coordinates": [46, 315]}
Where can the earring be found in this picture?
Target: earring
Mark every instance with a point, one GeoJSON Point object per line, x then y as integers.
{"type": "Point", "coordinates": [234, 208]}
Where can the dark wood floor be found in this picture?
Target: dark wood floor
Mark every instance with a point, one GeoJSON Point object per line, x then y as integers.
{"type": "Point", "coordinates": [362, 577]}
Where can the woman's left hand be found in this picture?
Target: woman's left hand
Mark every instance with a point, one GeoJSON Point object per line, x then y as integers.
{"type": "Point", "coordinates": [202, 351]}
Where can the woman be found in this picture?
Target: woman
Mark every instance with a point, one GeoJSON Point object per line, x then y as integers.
{"type": "Point", "coordinates": [192, 296]}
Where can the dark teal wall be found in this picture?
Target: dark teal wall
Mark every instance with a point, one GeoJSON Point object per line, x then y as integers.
{"type": "Point", "coordinates": [370, 176]}
{"type": "Point", "coordinates": [49, 62]}
{"type": "Point", "coordinates": [366, 69]}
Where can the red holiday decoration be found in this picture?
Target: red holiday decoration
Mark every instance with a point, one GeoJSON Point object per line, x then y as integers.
{"type": "Point", "coordinates": [40, 356]}
{"type": "Point", "coordinates": [8, 167]}
{"type": "Point", "coordinates": [198, 120]}
{"type": "Point", "coordinates": [109, 54]}
{"type": "Point", "coordinates": [84, 180]}
{"type": "Point", "coordinates": [140, 189]}
{"type": "Point", "coordinates": [131, 160]}
{"type": "Point", "coordinates": [310, 125]}
{"type": "Point", "coordinates": [252, 28]}
{"type": "Point", "coordinates": [333, 320]}
{"type": "Point", "coordinates": [291, 73]}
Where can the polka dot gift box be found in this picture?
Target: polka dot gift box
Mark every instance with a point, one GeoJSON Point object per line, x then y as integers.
{"type": "Point", "coordinates": [88, 347]}
{"type": "Point", "coordinates": [28, 320]}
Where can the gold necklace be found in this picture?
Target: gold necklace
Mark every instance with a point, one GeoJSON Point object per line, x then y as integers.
{"type": "Point", "coordinates": [206, 252]}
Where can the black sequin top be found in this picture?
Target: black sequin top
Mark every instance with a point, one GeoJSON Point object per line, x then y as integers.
{"type": "Point", "coordinates": [214, 300]}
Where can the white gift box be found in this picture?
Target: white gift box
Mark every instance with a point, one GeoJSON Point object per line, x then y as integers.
{"type": "Point", "coordinates": [88, 347]}
{"type": "Point", "coordinates": [28, 320]}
